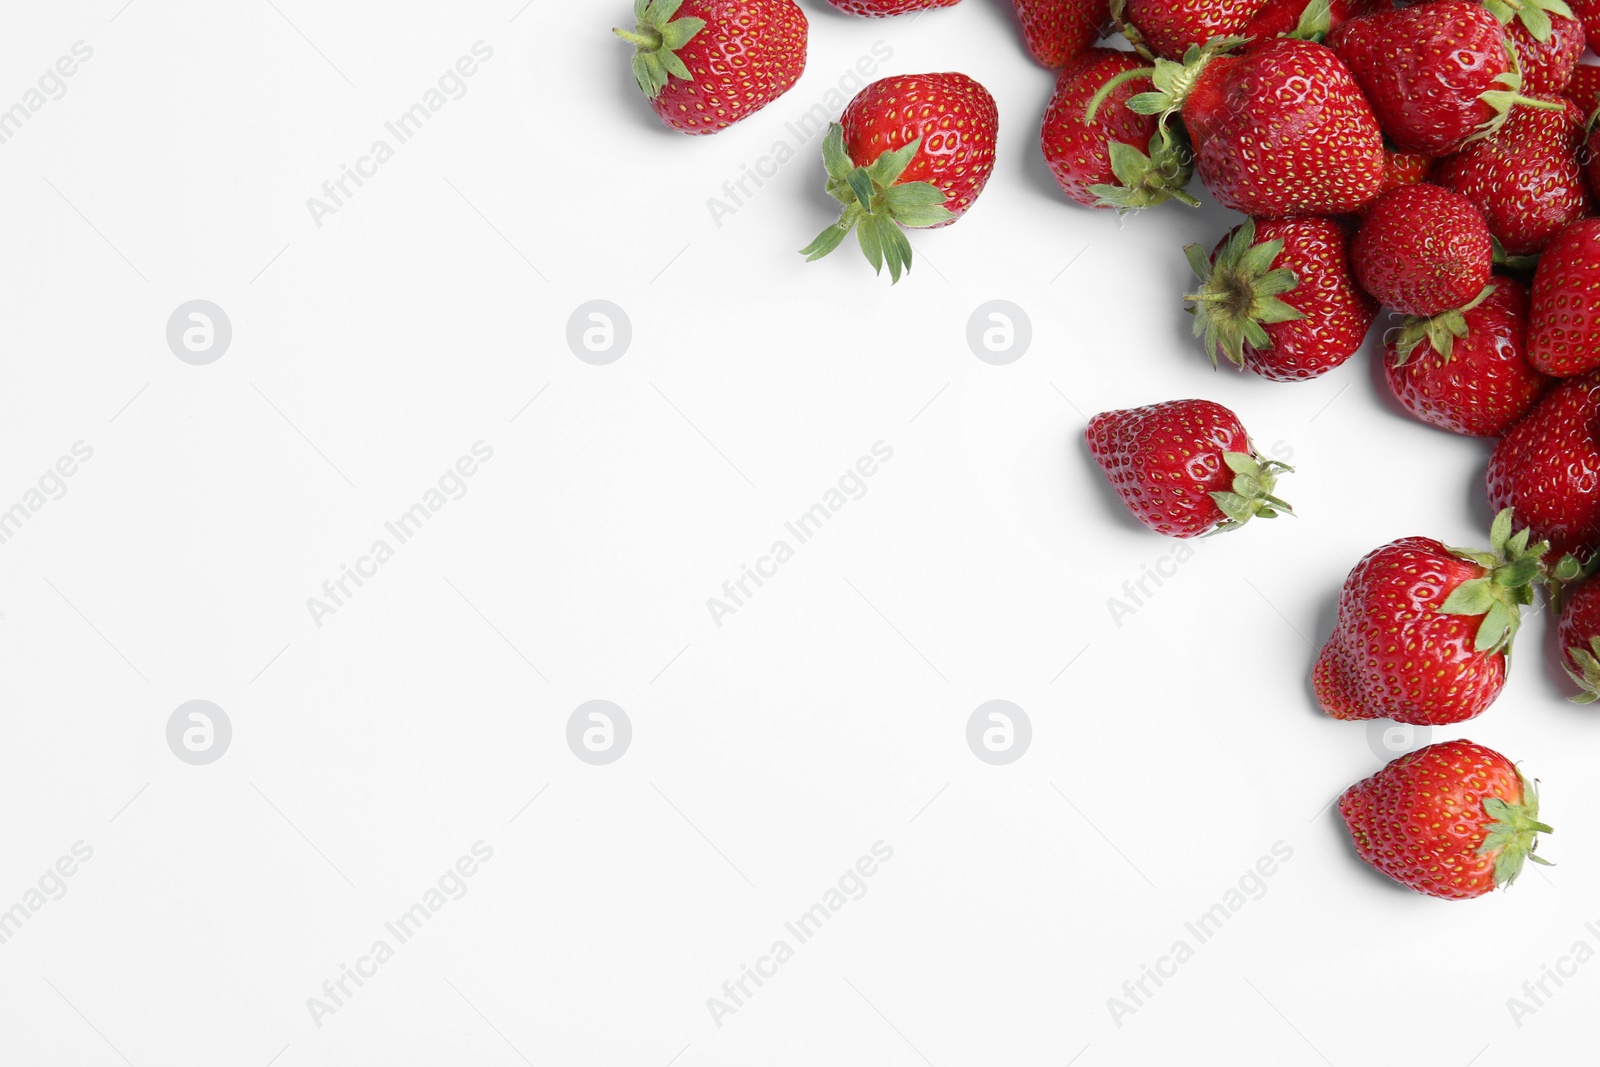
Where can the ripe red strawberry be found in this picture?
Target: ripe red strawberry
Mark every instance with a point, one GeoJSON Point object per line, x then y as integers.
{"type": "Point", "coordinates": [912, 150]}
{"type": "Point", "coordinates": [1277, 296]}
{"type": "Point", "coordinates": [1564, 334]}
{"type": "Point", "coordinates": [1186, 467]}
{"type": "Point", "coordinates": [875, 9]}
{"type": "Point", "coordinates": [1548, 468]}
{"type": "Point", "coordinates": [1437, 75]}
{"type": "Point", "coordinates": [1280, 17]}
{"type": "Point", "coordinates": [1169, 28]}
{"type": "Point", "coordinates": [1453, 820]}
{"type": "Point", "coordinates": [1423, 630]}
{"type": "Point", "coordinates": [1468, 371]}
{"type": "Point", "coordinates": [1279, 131]}
{"type": "Point", "coordinates": [1525, 179]}
{"type": "Point", "coordinates": [1589, 157]}
{"type": "Point", "coordinates": [1548, 44]}
{"type": "Point", "coordinates": [1059, 31]}
{"type": "Point", "coordinates": [706, 64]}
{"type": "Point", "coordinates": [1110, 161]}
{"type": "Point", "coordinates": [1401, 168]}
{"type": "Point", "coordinates": [1422, 250]}
{"type": "Point", "coordinates": [1584, 88]}
{"type": "Point", "coordinates": [1588, 13]}
{"type": "Point", "coordinates": [1578, 637]}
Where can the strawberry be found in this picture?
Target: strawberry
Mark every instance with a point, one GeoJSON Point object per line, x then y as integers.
{"type": "Point", "coordinates": [1120, 158]}
{"type": "Point", "coordinates": [1548, 43]}
{"type": "Point", "coordinates": [1279, 131]}
{"type": "Point", "coordinates": [1169, 28]}
{"type": "Point", "coordinates": [1279, 18]}
{"type": "Point", "coordinates": [1059, 31]}
{"type": "Point", "coordinates": [1185, 468]}
{"type": "Point", "coordinates": [1277, 296]}
{"type": "Point", "coordinates": [877, 9]}
{"type": "Point", "coordinates": [1437, 75]}
{"type": "Point", "coordinates": [1453, 820]}
{"type": "Point", "coordinates": [1589, 156]}
{"type": "Point", "coordinates": [1564, 334]}
{"type": "Point", "coordinates": [1422, 250]}
{"type": "Point", "coordinates": [912, 150]}
{"type": "Point", "coordinates": [706, 64]}
{"type": "Point", "coordinates": [1474, 377]}
{"type": "Point", "coordinates": [1588, 13]}
{"type": "Point", "coordinates": [1525, 180]}
{"type": "Point", "coordinates": [1584, 88]}
{"type": "Point", "coordinates": [1424, 630]}
{"type": "Point", "coordinates": [1548, 468]}
{"type": "Point", "coordinates": [1402, 168]}
{"type": "Point", "coordinates": [1578, 638]}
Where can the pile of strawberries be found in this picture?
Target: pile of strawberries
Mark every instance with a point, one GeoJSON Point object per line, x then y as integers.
{"type": "Point", "coordinates": [1437, 158]}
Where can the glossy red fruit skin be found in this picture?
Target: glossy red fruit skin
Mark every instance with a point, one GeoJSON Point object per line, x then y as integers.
{"type": "Point", "coordinates": [1278, 17]}
{"type": "Point", "coordinates": [1564, 333]}
{"type": "Point", "coordinates": [1591, 160]}
{"type": "Point", "coordinates": [1059, 31]}
{"type": "Point", "coordinates": [1487, 385]}
{"type": "Point", "coordinates": [1422, 250]}
{"type": "Point", "coordinates": [1580, 622]}
{"type": "Point", "coordinates": [1169, 27]}
{"type": "Point", "coordinates": [876, 9]}
{"type": "Point", "coordinates": [1400, 168]}
{"type": "Point", "coordinates": [1077, 151]}
{"type": "Point", "coordinates": [1423, 70]}
{"type": "Point", "coordinates": [1584, 88]}
{"type": "Point", "coordinates": [1282, 131]}
{"type": "Point", "coordinates": [1421, 819]}
{"type": "Point", "coordinates": [1548, 468]}
{"type": "Point", "coordinates": [1547, 66]}
{"type": "Point", "coordinates": [1165, 461]}
{"type": "Point", "coordinates": [955, 117]}
{"type": "Point", "coordinates": [1588, 12]}
{"type": "Point", "coordinates": [1394, 654]}
{"type": "Point", "coordinates": [750, 53]}
{"type": "Point", "coordinates": [1337, 313]}
{"type": "Point", "coordinates": [1525, 180]}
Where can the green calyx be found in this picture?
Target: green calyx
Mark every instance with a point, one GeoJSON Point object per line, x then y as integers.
{"type": "Point", "coordinates": [1514, 567]}
{"type": "Point", "coordinates": [1254, 482]}
{"type": "Point", "coordinates": [1504, 99]}
{"type": "Point", "coordinates": [656, 40]}
{"type": "Point", "coordinates": [1172, 81]}
{"type": "Point", "coordinates": [1441, 331]}
{"type": "Point", "coordinates": [1584, 670]}
{"type": "Point", "coordinates": [1147, 180]}
{"type": "Point", "coordinates": [1316, 21]}
{"type": "Point", "coordinates": [1514, 834]}
{"type": "Point", "coordinates": [1533, 14]}
{"type": "Point", "coordinates": [877, 204]}
{"type": "Point", "coordinates": [1239, 294]}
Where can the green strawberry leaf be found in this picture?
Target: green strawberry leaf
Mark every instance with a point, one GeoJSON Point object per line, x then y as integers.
{"type": "Point", "coordinates": [1315, 22]}
{"type": "Point", "coordinates": [656, 39]}
{"type": "Point", "coordinates": [1470, 598]}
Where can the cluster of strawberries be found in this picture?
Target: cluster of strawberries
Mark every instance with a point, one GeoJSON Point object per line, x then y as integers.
{"type": "Point", "coordinates": [1436, 159]}
{"type": "Point", "coordinates": [1433, 157]}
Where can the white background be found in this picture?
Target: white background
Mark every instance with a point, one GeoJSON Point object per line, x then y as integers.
{"type": "Point", "coordinates": [768, 754]}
